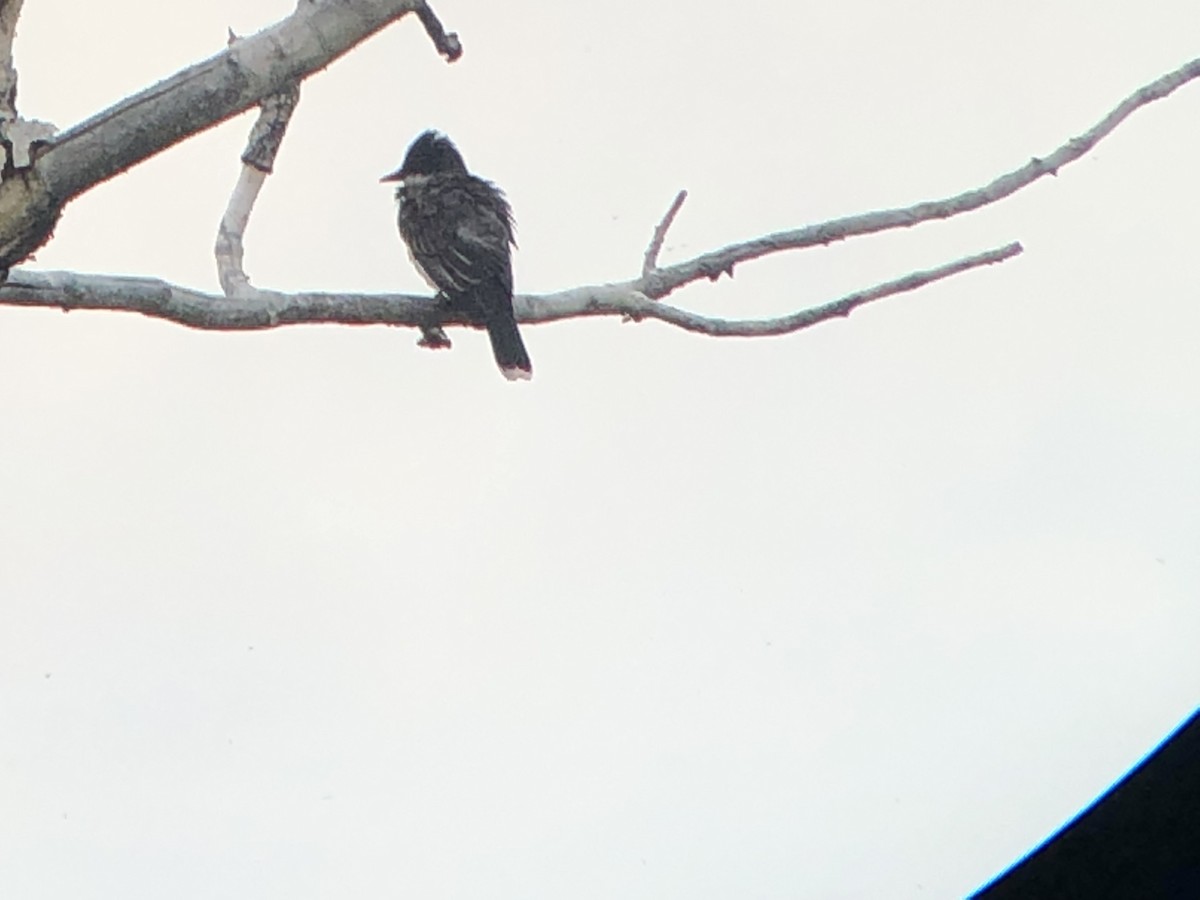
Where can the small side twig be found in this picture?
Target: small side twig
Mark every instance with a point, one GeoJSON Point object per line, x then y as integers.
{"type": "Point", "coordinates": [258, 161]}
{"type": "Point", "coordinates": [446, 43]}
{"type": "Point", "coordinates": [650, 263]}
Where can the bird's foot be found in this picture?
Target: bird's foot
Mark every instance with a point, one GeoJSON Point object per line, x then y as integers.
{"type": "Point", "coordinates": [433, 337]}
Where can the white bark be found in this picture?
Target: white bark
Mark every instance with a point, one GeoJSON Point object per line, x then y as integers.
{"type": "Point", "coordinates": [239, 77]}
{"type": "Point", "coordinates": [258, 161]}
{"type": "Point", "coordinates": [229, 248]}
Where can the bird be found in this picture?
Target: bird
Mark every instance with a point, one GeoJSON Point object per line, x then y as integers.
{"type": "Point", "coordinates": [459, 232]}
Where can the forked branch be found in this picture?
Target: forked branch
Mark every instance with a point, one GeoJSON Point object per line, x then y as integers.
{"type": "Point", "coordinates": [161, 300]}
{"type": "Point", "coordinates": [196, 98]}
{"type": "Point", "coordinates": [709, 265]}
{"type": "Point", "coordinates": [635, 299]}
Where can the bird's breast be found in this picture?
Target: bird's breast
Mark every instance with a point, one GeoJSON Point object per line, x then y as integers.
{"type": "Point", "coordinates": [421, 269]}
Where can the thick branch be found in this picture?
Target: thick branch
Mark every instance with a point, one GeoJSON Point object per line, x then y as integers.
{"type": "Point", "coordinates": [633, 299]}
{"type": "Point", "coordinates": [711, 265]}
{"type": "Point", "coordinates": [209, 92]}
{"type": "Point", "coordinates": [195, 99]}
{"type": "Point", "coordinates": [269, 309]}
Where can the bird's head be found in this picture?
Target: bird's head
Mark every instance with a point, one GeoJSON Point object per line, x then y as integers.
{"type": "Point", "coordinates": [432, 153]}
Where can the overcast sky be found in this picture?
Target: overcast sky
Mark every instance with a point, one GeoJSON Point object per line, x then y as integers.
{"type": "Point", "coordinates": [866, 611]}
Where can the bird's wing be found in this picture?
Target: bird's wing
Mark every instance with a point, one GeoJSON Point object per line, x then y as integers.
{"type": "Point", "coordinates": [459, 229]}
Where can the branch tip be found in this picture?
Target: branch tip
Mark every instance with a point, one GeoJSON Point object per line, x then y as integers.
{"type": "Point", "coordinates": [650, 261]}
{"type": "Point", "coordinates": [446, 43]}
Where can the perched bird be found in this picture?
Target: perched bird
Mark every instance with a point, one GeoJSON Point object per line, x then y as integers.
{"type": "Point", "coordinates": [459, 232]}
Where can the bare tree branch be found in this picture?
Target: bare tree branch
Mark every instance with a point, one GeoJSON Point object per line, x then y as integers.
{"type": "Point", "coordinates": [711, 265]}
{"type": "Point", "coordinates": [805, 318]}
{"type": "Point", "coordinates": [250, 308]}
{"type": "Point", "coordinates": [229, 249]}
{"type": "Point", "coordinates": [239, 77]}
{"type": "Point", "coordinates": [447, 44]}
{"type": "Point", "coordinates": [258, 160]}
{"type": "Point", "coordinates": [158, 299]}
{"type": "Point", "coordinates": [650, 263]}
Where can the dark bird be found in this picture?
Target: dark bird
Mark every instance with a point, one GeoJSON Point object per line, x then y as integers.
{"type": "Point", "coordinates": [459, 232]}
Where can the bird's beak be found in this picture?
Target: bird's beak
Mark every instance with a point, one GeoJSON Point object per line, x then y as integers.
{"type": "Point", "coordinates": [398, 175]}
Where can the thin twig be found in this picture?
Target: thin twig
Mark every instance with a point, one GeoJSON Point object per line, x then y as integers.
{"type": "Point", "coordinates": [650, 262]}
{"type": "Point", "coordinates": [805, 318]}
{"type": "Point", "coordinates": [446, 43]}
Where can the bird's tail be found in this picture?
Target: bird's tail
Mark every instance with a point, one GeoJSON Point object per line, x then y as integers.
{"type": "Point", "coordinates": [507, 346]}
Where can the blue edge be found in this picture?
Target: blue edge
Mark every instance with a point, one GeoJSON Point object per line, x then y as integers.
{"type": "Point", "coordinates": [1139, 840]}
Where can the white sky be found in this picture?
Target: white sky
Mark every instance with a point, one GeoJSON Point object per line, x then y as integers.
{"type": "Point", "coordinates": [861, 612]}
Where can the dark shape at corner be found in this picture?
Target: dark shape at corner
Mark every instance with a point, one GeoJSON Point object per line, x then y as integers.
{"type": "Point", "coordinates": [1139, 841]}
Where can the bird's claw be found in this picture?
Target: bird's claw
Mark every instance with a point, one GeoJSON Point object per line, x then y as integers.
{"type": "Point", "coordinates": [433, 337]}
